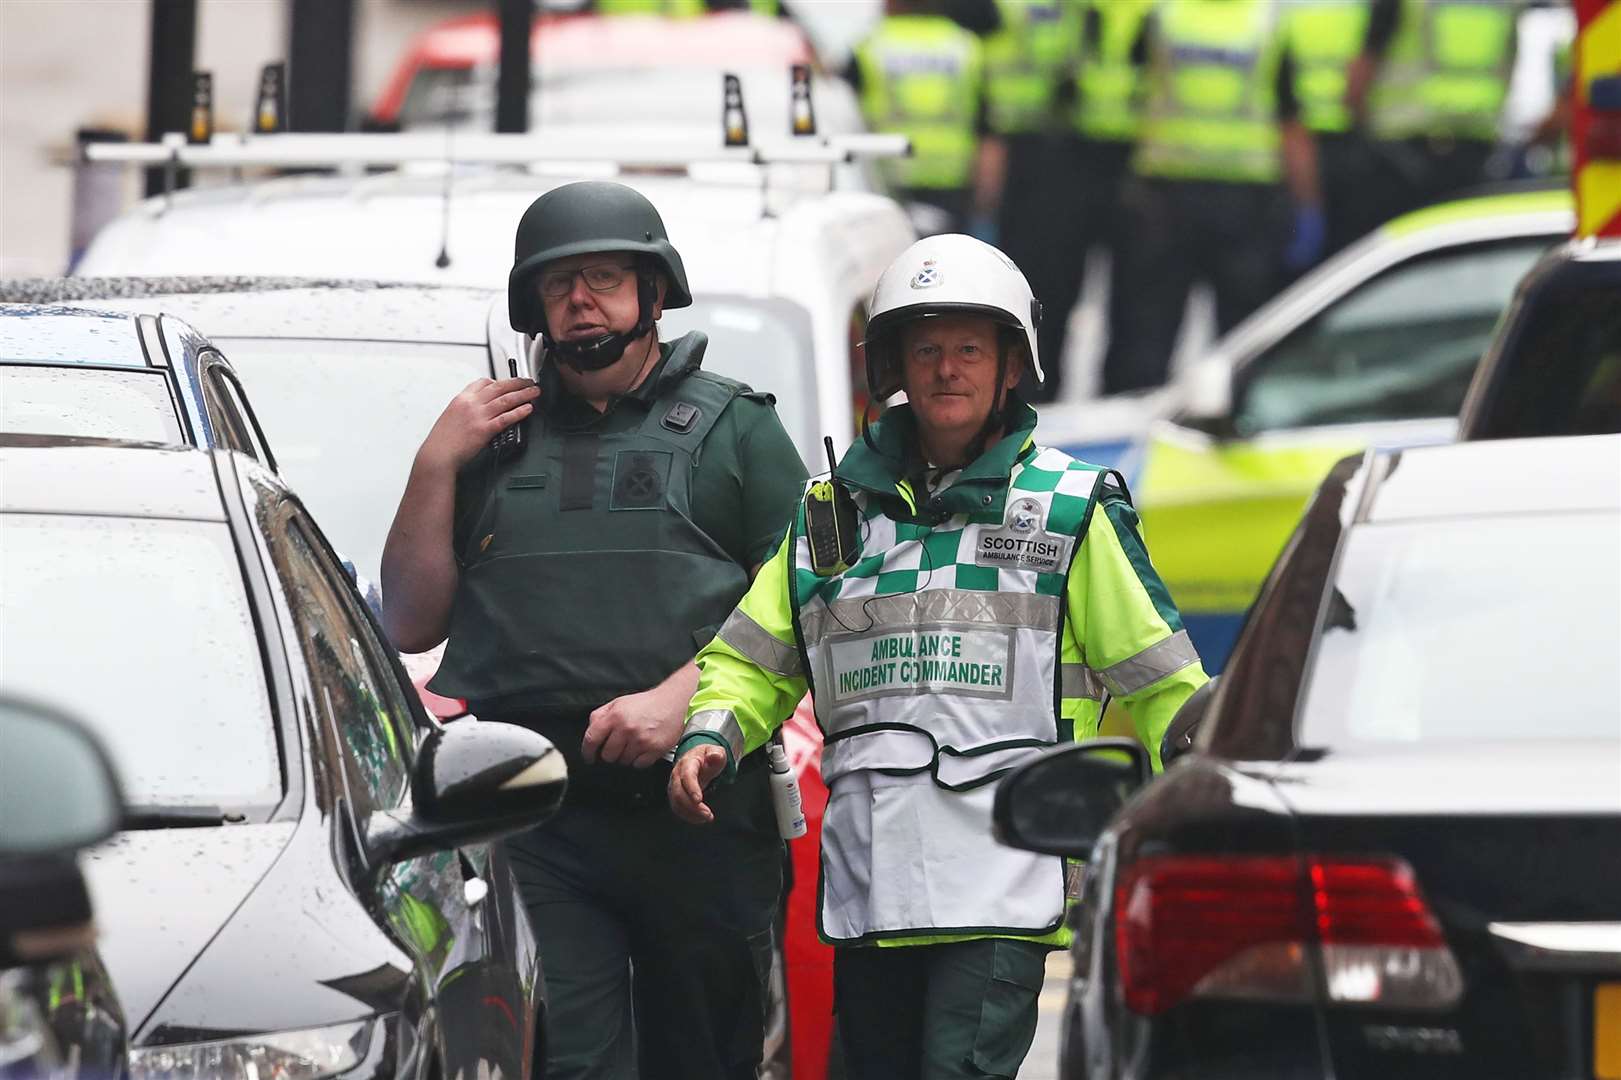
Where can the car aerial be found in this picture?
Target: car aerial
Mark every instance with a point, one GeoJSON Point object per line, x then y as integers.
{"type": "Point", "coordinates": [303, 882]}
{"type": "Point", "coordinates": [104, 374]}
{"type": "Point", "coordinates": [58, 794]}
{"type": "Point", "coordinates": [1389, 852]}
{"type": "Point", "coordinates": [1554, 366]}
{"type": "Point", "coordinates": [1375, 348]}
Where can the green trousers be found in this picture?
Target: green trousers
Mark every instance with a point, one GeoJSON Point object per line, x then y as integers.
{"type": "Point", "coordinates": [937, 1012]}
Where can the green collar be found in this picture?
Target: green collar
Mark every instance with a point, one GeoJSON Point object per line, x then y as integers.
{"type": "Point", "coordinates": [981, 489]}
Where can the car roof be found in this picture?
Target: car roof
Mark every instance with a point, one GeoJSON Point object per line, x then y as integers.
{"type": "Point", "coordinates": [284, 307]}
{"type": "Point", "coordinates": [1496, 209]}
{"type": "Point", "coordinates": [48, 474]}
{"type": "Point", "coordinates": [56, 334]}
{"type": "Point", "coordinates": [388, 225]}
{"type": "Point", "coordinates": [1495, 478]}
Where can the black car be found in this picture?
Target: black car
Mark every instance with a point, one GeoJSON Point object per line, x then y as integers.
{"type": "Point", "coordinates": [1554, 365]}
{"type": "Point", "coordinates": [303, 885]}
{"type": "Point", "coordinates": [105, 374]}
{"type": "Point", "coordinates": [1392, 851]}
{"type": "Point", "coordinates": [59, 1016]}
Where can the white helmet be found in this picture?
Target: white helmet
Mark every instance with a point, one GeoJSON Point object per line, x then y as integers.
{"type": "Point", "coordinates": [943, 275]}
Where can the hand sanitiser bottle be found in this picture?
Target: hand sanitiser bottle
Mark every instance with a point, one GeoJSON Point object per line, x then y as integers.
{"type": "Point", "coordinates": [785, 791]}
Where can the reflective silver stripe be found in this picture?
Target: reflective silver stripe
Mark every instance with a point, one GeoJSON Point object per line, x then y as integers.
{"type": "Point", "coordinates": [1079, 681]}
{"type": "Point", "coordinates": [718, 722]}
{"type": "Point", "coordinates": [1151, 665]}
{"type": "Point", "coordinates": [902, 611]}
{"type": "Point", "coordinates": [755, 642]}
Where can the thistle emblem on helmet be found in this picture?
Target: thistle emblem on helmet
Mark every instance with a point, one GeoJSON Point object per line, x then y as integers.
{"type": "Point", "coordinates": [928, 277]}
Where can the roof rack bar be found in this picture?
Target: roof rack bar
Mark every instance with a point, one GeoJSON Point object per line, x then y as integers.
{"type": "Point", "coordinates": [333, 150]}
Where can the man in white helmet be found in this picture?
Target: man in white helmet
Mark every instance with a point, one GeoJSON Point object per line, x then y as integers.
{"type": "Point", "coordinates": [956, 599]}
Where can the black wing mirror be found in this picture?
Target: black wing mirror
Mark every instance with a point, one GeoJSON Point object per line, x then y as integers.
{"type": "Point", "coordinates": [475, 781]}
{"type": "Point", "coordinates": [1060, 803]}
{"type": "Point", "coordinates": [58, 793]}
{"type": "Point", "coordinates": [1184, 727]}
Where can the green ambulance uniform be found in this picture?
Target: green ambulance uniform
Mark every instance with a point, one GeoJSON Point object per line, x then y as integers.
{"type": "Point", "coordinates": [922, 76]}
{"type": "Point", "coordinates": [593, 565]}
{"type": "Point", "coordinates": [977, 625]}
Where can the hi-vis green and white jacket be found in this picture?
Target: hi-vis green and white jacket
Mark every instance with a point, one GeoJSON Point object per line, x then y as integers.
{"type": "Point", "coordinates": [971, 631]}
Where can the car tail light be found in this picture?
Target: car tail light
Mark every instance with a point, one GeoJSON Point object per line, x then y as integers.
{"type": "Point", "coordinates": [1256, 927]}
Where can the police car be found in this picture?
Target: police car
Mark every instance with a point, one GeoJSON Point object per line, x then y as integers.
{"type": "Point", "coordinates": [1376, 348]}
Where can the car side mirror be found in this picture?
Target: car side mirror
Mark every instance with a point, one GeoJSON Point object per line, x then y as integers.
{"type": "Point", "coordinates": [1060, 803]}
{"type": "Point", "coordinates": [475, 781]}
{"type": "Point", "coordinates": [58, 792]}
{"type": "Point", "coordinates": [1207, 401]}
{"type": "Point", "coordinates": [1184, 726]}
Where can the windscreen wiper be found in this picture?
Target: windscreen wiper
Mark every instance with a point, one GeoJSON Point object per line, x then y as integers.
{"type": "Point", "coordinates": [139, 818]}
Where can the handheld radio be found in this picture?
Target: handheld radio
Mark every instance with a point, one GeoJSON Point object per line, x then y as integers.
{"type": "Point", "coordinates": [509, 442]}
{"type": "Point", "coordinates": [830, 522]}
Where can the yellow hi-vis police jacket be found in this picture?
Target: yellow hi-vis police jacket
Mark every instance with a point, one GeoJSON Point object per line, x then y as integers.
{"type": "Point", "coordinates": [974, 628]}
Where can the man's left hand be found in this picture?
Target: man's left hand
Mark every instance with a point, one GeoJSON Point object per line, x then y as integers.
{"type": "Point", "coordinates": [634, 730]}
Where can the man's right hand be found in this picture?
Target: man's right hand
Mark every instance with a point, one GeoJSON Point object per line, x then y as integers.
{"type": "Point", "coordinates": [478, 414]}
{"type": "Point", "coordinates": [694, 771]}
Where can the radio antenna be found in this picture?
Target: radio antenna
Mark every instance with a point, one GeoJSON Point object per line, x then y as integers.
{"type": "Point", "coordinates": [443, 260]}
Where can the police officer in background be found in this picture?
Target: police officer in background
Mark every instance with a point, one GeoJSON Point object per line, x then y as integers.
{"type": "Point", "coordinates": [1430, 82]}
{"type": "Point", "coordinates": [921, 73]}
{"type": "Point", "coordinates": [993, 590]}
{"type": "Point", "coordinates": [576, 573]}
{"type": "Point", "coordinates": [1220, 133]}
{"type": "Point", "coordinates": [1030, 171]}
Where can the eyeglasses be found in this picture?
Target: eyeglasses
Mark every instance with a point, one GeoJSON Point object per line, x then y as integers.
{"type": "Point", "coordinates": [599, 277]}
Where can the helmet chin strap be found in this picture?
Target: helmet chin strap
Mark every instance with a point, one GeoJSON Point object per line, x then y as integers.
{"type": "Point", "coordinates": [596, 353]}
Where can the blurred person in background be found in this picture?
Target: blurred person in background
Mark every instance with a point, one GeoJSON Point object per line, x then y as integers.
{"type": "Point", "coordinates": [1221, 132]}
{"type": "Point", "coordinates": [1031, 174]}
{"type": "Point", "coordinates": [921, 73]}
{"type": "Point", "coordinates": [1430, 83]}
{"type": "Point", "coordinates": [1324, 38]}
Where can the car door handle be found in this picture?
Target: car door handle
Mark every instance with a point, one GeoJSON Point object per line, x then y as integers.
{"type": "Point", "coordinates": [474, 891]}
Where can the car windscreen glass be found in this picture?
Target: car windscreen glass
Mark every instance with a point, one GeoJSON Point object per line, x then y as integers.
{"type": "Point", "coordinates": [1561, 372]}
{"type": "Point", "coordinates": [141, 628]}
{"type": "Point", "coordinates": [1402, 346]}
{"type": "Point", "coordinates": [346, 419]}
{"type": "Point", "coordinates": [1460, 630]}
{"type": "Point", "coordinates": [88, 402]}
{"type": "Point", "coordinates": [765, 343]}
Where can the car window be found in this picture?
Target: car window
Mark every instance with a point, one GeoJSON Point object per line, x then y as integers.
{"type": "Point", "coordinates": [142, 628]}
{"type": "Point", "coordinates": [87, 402]}
{"type": "Point", "coordinates": [345, 419]}
{"type": "Point", "coordinates": [1454, 631]}
{"type": "Point", "coordinates": [353, 690]}
{"type": "Point", "coordinates": [1562, 370]}
{"type": "Point", "coordinates": [1402, 346]}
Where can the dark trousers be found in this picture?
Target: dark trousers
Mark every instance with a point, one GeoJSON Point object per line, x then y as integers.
{"type": "Point", "coordinates": [649, 925]}
{"type": "Point", "coordinates": [1407, 174]}
{"type": "Point", "coordinates": [955, 206]}
{"type": "Point", "coordinates": [1346, 168]}
{"type": "Point", "coordinates": [937, 1012]}
{"type": "Point", "coordinates": [1185, 231]}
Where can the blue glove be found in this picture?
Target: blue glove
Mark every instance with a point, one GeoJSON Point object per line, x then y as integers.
{"type": "Point", "coordinates": [1306, 240]}
{"type": "Point", "coordinates": [983, 227]}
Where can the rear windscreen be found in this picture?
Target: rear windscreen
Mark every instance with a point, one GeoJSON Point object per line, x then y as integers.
{"type": "Point", "coordinates": [37, 399]}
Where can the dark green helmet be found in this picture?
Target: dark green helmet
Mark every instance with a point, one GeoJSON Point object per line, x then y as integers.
{"type": "Point", "coordinates": [580, 218]}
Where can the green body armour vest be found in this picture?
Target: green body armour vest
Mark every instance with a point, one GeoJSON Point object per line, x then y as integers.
{"type": "Point", "coordinates": [1447, 70]}
{"type": "Point", "coordinates": [1109, 105]}
{"type": "Point", "coordinates": [921, 77]}
{"type": "Point", "coordinates": [1024, 61]}
{"type": "Point", "coordinates": [585, 577]}
{"type": "Point", "coordinates": [1324, 37]}
{"type": "Point", "coordinates": [1212, 111]}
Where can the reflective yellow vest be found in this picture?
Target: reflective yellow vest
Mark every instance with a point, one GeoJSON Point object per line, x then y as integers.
{"type": "Point", "coordinates": [1212, 105]}
{"type": "Point", "coordinates": [1323, 37]}
{"type": "Point", "coordinates": [1109, 104]}
{"type": "Point", "coordinates": [673, 8]}
{"type": "Point", "coordinates": [1447, 69]}
{"type": "Point", "coordinates": [1025, 59]}
{"type": "Point", "coordinates": [923, 76]}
